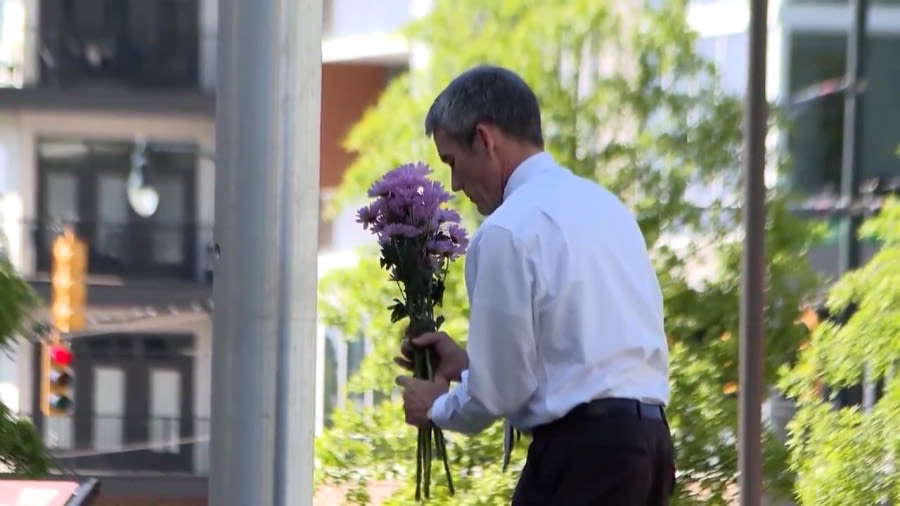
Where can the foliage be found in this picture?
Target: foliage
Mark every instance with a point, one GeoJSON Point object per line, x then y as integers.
{"type": "Point", "coordinates": [21, 449]}
{"type": "Point", "coordinates": [846, 456]}
{"type": "Point", "coordinates": [646, 119]}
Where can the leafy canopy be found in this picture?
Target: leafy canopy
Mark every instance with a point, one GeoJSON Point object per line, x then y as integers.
{"type": "Point", "coordinates": [845, 456]}
{"type": "Point", "coordinates": [626, 102]}
{"type": "Point", "coordinates": [21, 449]}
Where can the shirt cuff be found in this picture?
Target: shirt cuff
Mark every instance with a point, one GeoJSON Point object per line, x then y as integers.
{"type": "Point", "coordinates": [437, 414]}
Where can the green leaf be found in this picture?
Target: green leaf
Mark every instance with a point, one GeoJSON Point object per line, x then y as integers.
{"type": "Point", "coordinates": [398, 311]}
{"type": "Point", "coordinates": [21, 450]}
{"type": "Point", "coordinates": [845, 456]}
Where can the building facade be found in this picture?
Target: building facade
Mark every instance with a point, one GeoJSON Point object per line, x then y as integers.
{"type": "Point", "coordinates": [107, 124]}
{"type": "Point", "coordinates": [807, 48]}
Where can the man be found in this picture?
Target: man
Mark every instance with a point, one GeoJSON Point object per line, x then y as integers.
{"type": "Point", "coordinates": [566, 336]}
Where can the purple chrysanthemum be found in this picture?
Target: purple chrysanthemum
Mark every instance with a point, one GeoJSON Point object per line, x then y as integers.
{"type": "Point", "coordinates": [407, 205]}
{"type": "Point", "coordinates": [418, 239]}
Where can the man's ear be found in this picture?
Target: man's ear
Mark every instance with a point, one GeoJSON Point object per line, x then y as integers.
{"type": "Point", "coordinates": [484, 138]}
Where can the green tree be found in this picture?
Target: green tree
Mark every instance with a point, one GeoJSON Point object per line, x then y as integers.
{"type": "Point", "coordinates": [21, 449]}
{"type": "Point", "coordinates": [846, 456]}
{"type": "Point", "coordinates": [628, 103]}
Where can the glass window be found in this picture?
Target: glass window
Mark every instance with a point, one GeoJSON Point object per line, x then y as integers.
{"type": "Point", "coordinates": [356, 351]}
{"type": "Point", "coordinates": [330, 382]}
{"type": "Point", "coordinates": [816, 135]}
{"type": "Point", "coordinates": [729, 54]}
{"type": "Point", "coordinates": [133, 42]}
{"type": "Point", "coordinates": [90, 181]}
{"type": "Point", "coordinates": [343, 359]}
{"type": "Point", "coordinates": [165, 410]}
{"type": "Point", "coordinates": [109, 405]}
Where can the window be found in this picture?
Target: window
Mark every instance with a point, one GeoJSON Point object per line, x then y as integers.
{"type": "Point", "coordinates": [87, 183]}
{"type": "Point", "coordinates": [816, 134]}
{"type": "Point", "coordinates": [330, 381]}
{"type": "Point", "coordinates": [343, 359]}
{"type": "Point", "coordinates": [165, 410]}
{"type": "Point", "coordinates": [136, 43]}
{"type": "Point", "coordinates": [729, 54]}
{"type": "Point", "coordinates": [109, 406]}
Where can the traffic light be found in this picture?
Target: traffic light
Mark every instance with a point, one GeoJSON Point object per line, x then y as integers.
{"type": "Point", "coordinates": [58, 378]}
{"type": "Point", "coordinates": [68, 284]}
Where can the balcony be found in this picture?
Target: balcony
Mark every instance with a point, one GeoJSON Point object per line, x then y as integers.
{"type": "Point", "coordinates": [134, 443]}
{"type": "Point", "coordinates": [120, 43]}
{"type": "Point", "coordinates": [108, 54]}
{"type": "Point", "coordinates": [173, 252]}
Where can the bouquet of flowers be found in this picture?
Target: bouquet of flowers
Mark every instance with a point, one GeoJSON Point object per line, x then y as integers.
{"type": "Point", "coordinates": [418, 239]}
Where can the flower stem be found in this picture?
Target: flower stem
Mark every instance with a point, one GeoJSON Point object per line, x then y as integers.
{"type": "Point", "coordinates": [419, 458]}
{"type": "Point", "coordinates": [427, 478]}
{"type": "Point", "coordinates": [431, 438]}
{"type": "Point", "coordinates": [441, 444]}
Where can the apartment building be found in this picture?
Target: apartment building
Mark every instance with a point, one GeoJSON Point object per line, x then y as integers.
{"type": "Point", "coordinates": [807, 47]}
{"type": "Point", "coordinates": [107, 114]}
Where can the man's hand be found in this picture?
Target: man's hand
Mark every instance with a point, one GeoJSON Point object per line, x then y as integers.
{"type": "Point", "coordinates": [418, 397]}
{"type": "Point", "coordinates": [451, 358]}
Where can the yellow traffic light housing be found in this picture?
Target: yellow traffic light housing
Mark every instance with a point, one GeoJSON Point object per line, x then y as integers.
{"type": "Point", "coordinates": [68, 282]}
{"type": "Point", "coordinates": [57, 377]}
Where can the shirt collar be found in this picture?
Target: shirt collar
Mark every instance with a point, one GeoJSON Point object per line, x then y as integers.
{"type": "Point", "coordinates": [532, 166]}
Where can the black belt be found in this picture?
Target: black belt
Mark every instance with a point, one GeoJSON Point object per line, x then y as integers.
{"type": "Point", "coordinates": [618, 407]}
{"type": "Point", "coordinates": [609, 407]}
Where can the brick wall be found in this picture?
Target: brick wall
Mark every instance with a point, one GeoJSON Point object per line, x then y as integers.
{"type": "Point", "coordinates": [347, 91]}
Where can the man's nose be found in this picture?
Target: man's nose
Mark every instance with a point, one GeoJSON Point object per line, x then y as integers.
{"type": "Point", "coordinates": [454, 183]}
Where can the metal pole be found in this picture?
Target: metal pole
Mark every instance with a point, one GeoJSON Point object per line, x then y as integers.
{"type": "Point", "coordinates": [268, 109]}
{"type": "Point", "coordinates": [848, 248]}
{"type": "Point", "coordinates": [301, 105]}
{"type": "Point", "coordinates": [222, 414]}
{"type": "Point", "coordinates": [849, 245]}
{"type": "Point", "coordinates": [851, 164]}
{"type": "Point", "coordinates": [753, 265]}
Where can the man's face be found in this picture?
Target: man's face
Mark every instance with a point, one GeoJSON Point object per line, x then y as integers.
{"type": "Point", "coordinates": [473, 169]}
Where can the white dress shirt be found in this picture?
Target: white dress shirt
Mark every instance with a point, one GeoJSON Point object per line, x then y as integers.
{"type": "Point", "coordinates": [565, 306]}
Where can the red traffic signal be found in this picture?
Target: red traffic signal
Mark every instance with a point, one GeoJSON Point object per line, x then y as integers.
{"type": "Point", "coordinates": [58, 378]}
{"type": "Point", "coordinates": [60, 356]}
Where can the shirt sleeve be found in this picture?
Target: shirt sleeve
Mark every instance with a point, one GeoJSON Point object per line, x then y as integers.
{"type": "Point", "coordinates": [501, 345]}
{"type": "Point", "coordinates": [457, 411]}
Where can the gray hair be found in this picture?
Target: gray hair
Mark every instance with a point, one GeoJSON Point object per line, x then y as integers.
{"type": "Point", "coordinates": [486, 94]}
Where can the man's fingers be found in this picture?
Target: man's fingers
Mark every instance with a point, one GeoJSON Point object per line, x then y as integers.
{"type": "Point", "coordinates": [428, 339]}
{"type": "Point", "coordinates": [403, 362]}
{"type": "Point", "coordinates": [406, 348]}
{"type": "Point", "coordinates": [404, 381]}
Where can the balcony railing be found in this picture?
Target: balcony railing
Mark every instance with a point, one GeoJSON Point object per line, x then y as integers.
{"type": "Point", "coordinates": [130, 43]}
{"type": "Point", "coordinates": [144, 251]}
{"type": "Point", "coordinates": [129, 443]}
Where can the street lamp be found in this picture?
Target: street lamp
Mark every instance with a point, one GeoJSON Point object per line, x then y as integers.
{"type": "Point", "coordinates": [144, 199]}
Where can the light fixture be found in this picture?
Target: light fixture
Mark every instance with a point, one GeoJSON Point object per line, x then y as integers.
{"type": "Point", "coordinates": [144, 199]}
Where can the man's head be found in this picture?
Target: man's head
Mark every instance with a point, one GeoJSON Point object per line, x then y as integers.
{"type": "Point", "coordinates": [485, 123]}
